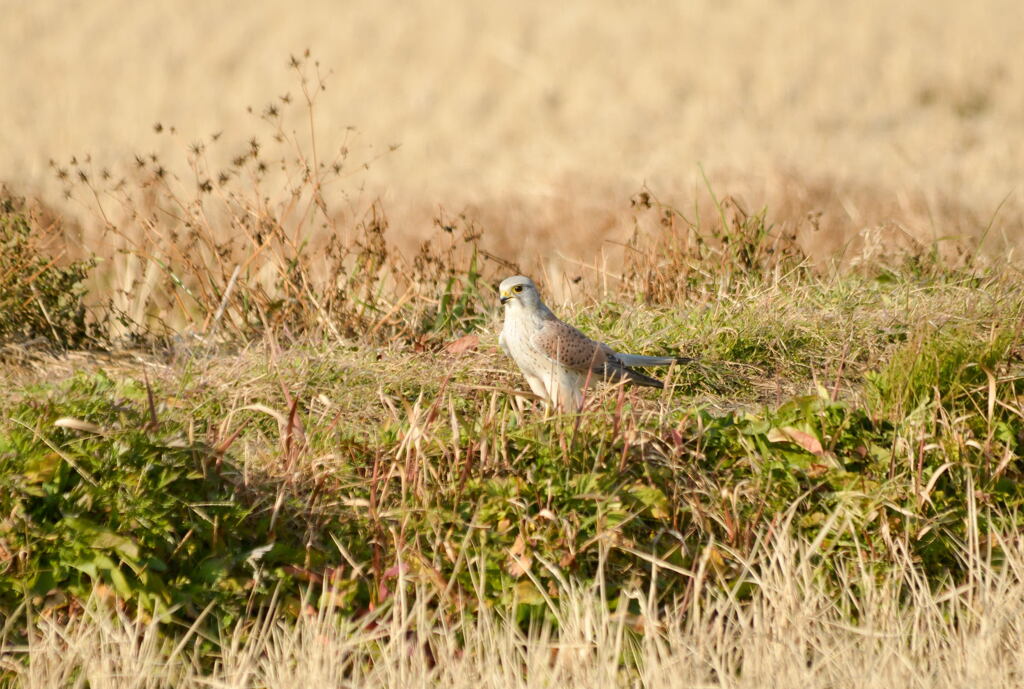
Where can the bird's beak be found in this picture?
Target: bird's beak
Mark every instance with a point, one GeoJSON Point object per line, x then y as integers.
{"type": "Point", "coordinates": [505, 298]}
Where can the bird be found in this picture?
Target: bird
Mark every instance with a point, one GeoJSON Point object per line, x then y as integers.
{"type": "Point", "coordinates": [557, 359]}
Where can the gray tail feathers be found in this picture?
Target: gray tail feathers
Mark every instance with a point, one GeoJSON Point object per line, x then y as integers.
{"type": "Point", "coordinates": [642, 361]}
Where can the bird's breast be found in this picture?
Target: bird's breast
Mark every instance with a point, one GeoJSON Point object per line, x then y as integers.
{"type": "Point", "coordinates": [517, 335]}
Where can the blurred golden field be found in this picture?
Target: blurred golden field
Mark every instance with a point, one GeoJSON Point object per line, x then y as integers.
{"type": "Point", "coordinates": [541, 121]}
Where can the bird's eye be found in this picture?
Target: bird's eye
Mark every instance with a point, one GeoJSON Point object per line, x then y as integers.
{"type": "Point", "coordinates": [517, 289]}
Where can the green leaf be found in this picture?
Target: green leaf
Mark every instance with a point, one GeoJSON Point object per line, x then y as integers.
{"type": "Point", "coordinates": [42, 468]}
{"type": "Point", "coordinates": [108, 540]}
{"type": "Point", "coordinates": [651, 499]}
{"type": "Point", "coordinates": [120, 583]}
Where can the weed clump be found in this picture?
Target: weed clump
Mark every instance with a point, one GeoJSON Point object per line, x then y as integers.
{"type": "Point", "coordinates": [94, 492]}
{"type": "Point", "coordinates": [41, 299]}
{"type": "Point", "coordinates": [943, 364]}
{"type": "Point", "coordinates": [276, 235]}
{"type": "Point", "coordinates": [688, 255]}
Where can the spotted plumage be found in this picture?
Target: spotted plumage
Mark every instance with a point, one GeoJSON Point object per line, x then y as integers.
{"type": "Point", "coordinates": [556, 358]}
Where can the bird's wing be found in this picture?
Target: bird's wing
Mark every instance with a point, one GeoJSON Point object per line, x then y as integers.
{"type": "Point", "coordinates": [566, 346]}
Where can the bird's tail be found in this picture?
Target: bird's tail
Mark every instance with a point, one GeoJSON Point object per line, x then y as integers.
{"type": "Point", "coordinates": [637, 378]}
{"type": "Point", "coordinates": [642, 361]}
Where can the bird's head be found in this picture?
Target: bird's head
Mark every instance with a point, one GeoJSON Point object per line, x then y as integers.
{"type": "Point", "coordinates": [519, 291]}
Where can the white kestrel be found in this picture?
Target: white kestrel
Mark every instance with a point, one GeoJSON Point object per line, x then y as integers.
{"type": "Point", "coordinates": [556, 358]}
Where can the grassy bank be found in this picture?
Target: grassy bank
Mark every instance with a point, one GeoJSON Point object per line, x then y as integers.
{"type": "Point", "coordinates": [358, 481]}
{"type": "Point", "coordinates": [245, 436]}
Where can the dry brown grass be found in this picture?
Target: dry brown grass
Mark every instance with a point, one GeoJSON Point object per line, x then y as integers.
{"type": "Point", "coordinates": [776, 625]}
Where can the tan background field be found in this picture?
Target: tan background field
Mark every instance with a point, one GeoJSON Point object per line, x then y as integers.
{"type": "Point", "coordinates": [542, 119]}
